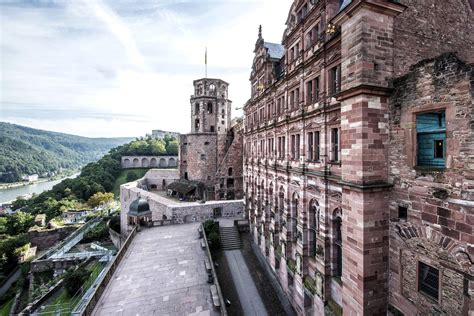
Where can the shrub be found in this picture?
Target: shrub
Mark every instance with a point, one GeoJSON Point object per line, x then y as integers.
{"type": "Point", "coordinates": [132, 176]}
{"type": "Point", "coordinates": [74, 279]}
{"type": "Point", "coordinates": [97, 233]}
{"type": "Point", "coordinates": [214, 240]}
{"type": "Point", "coordinates": [114, 224]}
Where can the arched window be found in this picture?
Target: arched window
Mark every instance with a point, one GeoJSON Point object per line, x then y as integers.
{"type": "Point", "coordinates": [230, 171]}
{"type": "Point", "coordinates": [212, 87]}
{"type": "Point", "coordinates": [294, 214]}
{"type": "Point", "coordinates": [196, 108]}
{"type": "Point", "coordinates": [209, 108]}
{"type": "Point", "coordinates": [196, 124]}
{"type": "Point", "coordinates": [313, 224]}
{"type": "Point", "coordinates": [337, 243]}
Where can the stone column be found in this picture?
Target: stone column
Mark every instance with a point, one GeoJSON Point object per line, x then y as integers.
{"type": "Point", "coordinates": [366, 53]}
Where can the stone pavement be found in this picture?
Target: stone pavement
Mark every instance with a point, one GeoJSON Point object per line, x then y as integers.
{"type": "Point", "coordinates": [249, 297]}
{"type": "Point", "coordinates": [163, 273]}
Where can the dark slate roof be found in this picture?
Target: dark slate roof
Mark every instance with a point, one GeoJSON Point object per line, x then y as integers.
{"type": "Point", "coordinates": [183, 186]}
{"type": "Point", "coordinates": [139, 207]}
{"type": "Point", "coordinates": [275, 50]}
{"type": "Point", "coordinates": [345, 4]}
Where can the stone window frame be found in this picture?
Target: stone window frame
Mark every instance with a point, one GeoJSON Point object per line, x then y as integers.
{"type": "Point", "coordinates": [440, 280]}
{"type": "Point", "coordinates": [314, 145]}
{"type": "Point", "coordinates": [408, 124]}
{"type": "Point", "coordinates": [295, 146]}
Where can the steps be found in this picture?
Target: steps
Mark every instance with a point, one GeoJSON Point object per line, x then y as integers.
{"type": "Point", "coordinates": [230, 238]}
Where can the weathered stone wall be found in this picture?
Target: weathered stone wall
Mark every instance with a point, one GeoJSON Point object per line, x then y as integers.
{"type": "Point", "coordinates": [232, 160]}
{"type": "Point", "coordinates": [158, 179]}
{"type": "Point", "coordinates": [428, 28]}
{"type": "Point", "coordinates": [149, 161]}
{"type": "Point", "coordinates": [44, 238]}
{"type": "Point", "coordinates": [439, 201]}
{"type": "Point", "coordinates": [171, 209]}
{"type": "Point", "coordinates": [199, 157]}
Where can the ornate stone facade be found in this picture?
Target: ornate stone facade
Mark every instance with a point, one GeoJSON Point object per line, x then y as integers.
{"type": "Point", "coordinates": [337, 197]}
{"type": "Point", "coordinates": [212, 152]}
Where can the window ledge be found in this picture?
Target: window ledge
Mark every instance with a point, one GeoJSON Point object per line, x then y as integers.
{"type": "Point", "coordinates": [430, 168]}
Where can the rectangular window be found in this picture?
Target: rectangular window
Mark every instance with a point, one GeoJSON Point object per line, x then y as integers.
{"type": "Point", "coordinates": [292, 99]}
{"type": "Point", "coordinates": [402, 213]}
{"type": "Point", "coordinates": [316, 146]}
{"type": "Point", "coordinates": [334, 144]}
{"type": "Point", "coordinates": [309, 92]}
{"type": "Point", "coordinates": [310, 146]}
{"type": "Point", "coordinates": [293, 143]}
{"type": "Point", "coordinates": [431, 139]}
{"type": "Point", "coordinates": [428, 280]}
{"type": "Point", "coordinates": [297, 97]}
{"type": "Point", "coordinates": [316, 89]}
{"type": "Point", "coordinates": [335, 79]}
{"type": "Point", "coordinates": [297, 147]}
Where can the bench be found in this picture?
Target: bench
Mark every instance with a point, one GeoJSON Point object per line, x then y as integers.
{"type": "Point", "coordinates": [200, 232]}
{"type": "Point", "coordinates": [203, 244]}
{"type": "Point", "coordinates": [215, 296]}
{"type": "Point", "coordinates": [207, 264]}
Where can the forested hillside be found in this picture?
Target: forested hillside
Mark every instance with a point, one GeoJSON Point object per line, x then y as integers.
{"type": "Point", "coordinates": [25, 150]}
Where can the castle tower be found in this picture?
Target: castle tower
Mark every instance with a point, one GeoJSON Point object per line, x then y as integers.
{"type": "Point", "coordinates": [210, 108]}
{"type": "Point", "coordinates": [203, 150]}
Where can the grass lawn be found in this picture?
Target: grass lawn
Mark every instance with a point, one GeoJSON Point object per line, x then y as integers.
{"type": "Point", "coordinates": [5, 308]}
{"type": "Point", "coordinates": [122, 178]}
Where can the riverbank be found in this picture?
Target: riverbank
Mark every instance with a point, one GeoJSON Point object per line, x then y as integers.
{"type": "Point", "coordinates": [69, 174]}
{"type": "Point", "coordinates": [9, 194]}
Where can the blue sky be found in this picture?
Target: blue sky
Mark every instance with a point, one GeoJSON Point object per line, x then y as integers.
{"type": "Point", "coordinates": [111, 68]}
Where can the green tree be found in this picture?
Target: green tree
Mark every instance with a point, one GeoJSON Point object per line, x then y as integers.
{"type": "Point", "coordinates": [19, 223]}
{"type": "Point", "coordinates": [172, 148]}
{"type": "Point", "coordinates": [74, 279]}
{"type": "Point", "coordinates": [100, 198]}
{"type": "Point", "coordinates": [157, 147]}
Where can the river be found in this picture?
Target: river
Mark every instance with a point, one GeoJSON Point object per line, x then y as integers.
{"type": "Point", "coordinates": [10, 194]}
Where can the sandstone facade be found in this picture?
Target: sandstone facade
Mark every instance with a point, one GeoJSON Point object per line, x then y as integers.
{"type": "Point", "coordinates": [339, 200]}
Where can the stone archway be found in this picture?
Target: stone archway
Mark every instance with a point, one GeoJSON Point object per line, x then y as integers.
{"type": "Point", "coordinates": [153, 162]}
{"type": "Point", "coordinates": [189, 219]}
{"type": "Point", "coordinates": [163, 163]}
{"type": "Point", "coordinates": [171, 162]}
{"type": "Point", "coordinates": [136, 162]}
{"type": "Point", "coordinates": [127, 163]}
{"type": "Point", "coordinates": [145, 163]}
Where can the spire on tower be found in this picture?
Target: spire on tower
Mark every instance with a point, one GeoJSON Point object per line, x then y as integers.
{"type": "Point", "coordinates": [260, 32]}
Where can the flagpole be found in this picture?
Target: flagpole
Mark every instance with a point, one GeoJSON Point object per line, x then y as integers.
{"type": "Point", "coordinates": [205, 61]}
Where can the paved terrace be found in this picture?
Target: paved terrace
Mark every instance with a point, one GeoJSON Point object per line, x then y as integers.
{"type": "Point", "coordinates": [163, 273]}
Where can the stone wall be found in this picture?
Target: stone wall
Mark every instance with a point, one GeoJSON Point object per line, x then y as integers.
{"type": "Point", "coordinates": [44, 238]}
{"type": "Point", "coordinates": [149, 161]}
{"type": "Point", "coordinates": [158, 179]}
{"type": "Point", "coordinates": [428, 28]}
{"type": "Point", "coordinates": [199, 157]}
{"type": "Point", "coordinates": [163, 207]}
{"type": "Point", "coordinates": [440, 203]}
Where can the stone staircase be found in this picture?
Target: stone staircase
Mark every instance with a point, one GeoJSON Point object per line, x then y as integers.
{"type": "Point", "coordinates": [230, 238]}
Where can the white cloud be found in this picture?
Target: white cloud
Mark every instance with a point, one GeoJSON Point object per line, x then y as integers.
{"type": "Point", "coordinates": [133, 61]}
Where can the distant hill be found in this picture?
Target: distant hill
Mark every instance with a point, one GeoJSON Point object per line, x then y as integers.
{"type": "Point", "coordinates": [25, 150]}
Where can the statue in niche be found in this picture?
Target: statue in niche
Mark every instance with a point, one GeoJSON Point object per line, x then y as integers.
{"type": "Point", "coordinates": [319, 284]}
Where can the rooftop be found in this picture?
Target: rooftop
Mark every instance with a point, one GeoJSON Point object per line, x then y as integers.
{"type": "Point", "coordinates": [163, 273]}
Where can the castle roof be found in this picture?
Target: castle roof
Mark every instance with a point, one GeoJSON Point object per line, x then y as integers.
{"type": "Point", "coordinates": [275, 50]}
{"type": "Point", "coordinates": [139, 207]}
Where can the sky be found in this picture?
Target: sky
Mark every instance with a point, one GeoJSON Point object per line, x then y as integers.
{"type": "Point", "coordinates": [120, 68]}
